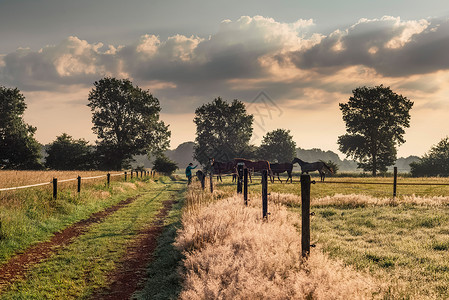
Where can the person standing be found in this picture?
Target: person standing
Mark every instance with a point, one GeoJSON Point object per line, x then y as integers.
{"type": "Point", "coordinates": [189, 172]}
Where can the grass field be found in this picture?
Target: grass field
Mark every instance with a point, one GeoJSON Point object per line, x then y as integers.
{"type": "Point", "coordinates": [402, 242]}
{"type": "Point", "coordinates": [80, 268]}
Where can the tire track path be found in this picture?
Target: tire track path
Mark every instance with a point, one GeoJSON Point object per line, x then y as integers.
{"type": "Point", "coordinates": [132, 268]}
{"type": "Point", "coordinates": [17, 267]}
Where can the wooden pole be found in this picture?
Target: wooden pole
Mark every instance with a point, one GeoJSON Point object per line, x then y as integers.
{"type": "Point", "coordinates": [108, 179]}
{"type": "Point", "coordinates": [395, 181]}
{"type": "Point", "coordinates": [79, 184]}
{"type": "Point", "coordinates": [203, 181]}
{"type": "Point", "coordinates": [264, 194]}
{"type": "Point", "coordinates": [132, 174]}
{"type": "Point", "coordinates": [55, 188]}
{"type": "Point", "coordinates": [239, 179]}
{"type": "Point", "coordinates": [211, 183]}
{"type": "Point", "coordinates": [305, 215]}
{"type": "Point", "coordinates": [245, 186]}
{"type": "Point", "coordinates": [126, 175]}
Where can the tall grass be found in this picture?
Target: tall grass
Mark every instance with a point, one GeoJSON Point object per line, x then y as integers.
{"type": "Point", "coordinates": [231, 253]}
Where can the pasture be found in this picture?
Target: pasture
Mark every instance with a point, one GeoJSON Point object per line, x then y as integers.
{"type": "Point", "coordinates": [402, 242]}
{"type": "Point", "coordinates": [368, 245]}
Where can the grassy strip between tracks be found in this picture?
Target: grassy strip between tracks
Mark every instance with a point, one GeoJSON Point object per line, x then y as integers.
{"type": "Point", "coordinates": [82, 267]}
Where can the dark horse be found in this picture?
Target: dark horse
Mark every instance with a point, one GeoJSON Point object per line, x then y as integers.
{"type": "Point", "coordinates": [223, 168]}
{"type": "Point", "coordinates": [278, 168]}
{"type": "Point", "coordinates": [319, 166]}
{"type": "Point", "coordinates": [253, 166]}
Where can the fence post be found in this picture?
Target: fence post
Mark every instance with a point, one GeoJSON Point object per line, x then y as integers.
{"type": "Point", "coordinates": [245, 186]}
{"type": "Point", "coordinates": [264, 194]}
{"type": "Point", "coordinates": [395, 181]}
{"type": "Point", "coordinates": [79, 184]}
{"type": "Point", "coordinates": [211, 182]}
{"type": "Point", "coordinates": [203, 181]}
{"type": "Point", "coordinates": [55, 188]}
{"type": "Point", "coordinates": [109, 178]}
{"type": "Point", "coordinates": [240, 178]}
{"type": "Point", "coordinates": [305, 215]}
{"type": "Point", "coordinates": [125, 175]}
{"type": "Point", "coordinates": [132, 173]}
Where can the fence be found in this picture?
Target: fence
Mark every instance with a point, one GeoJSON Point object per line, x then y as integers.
{"type": "Point", "coordinates": [54, 182]}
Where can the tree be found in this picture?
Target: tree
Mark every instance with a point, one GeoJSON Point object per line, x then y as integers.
{"type": "Point", "coordinates": [277, 146]}
{"type": "Point", "coordinates": [433, 163]}
{"type": "Point", "coordinates": [164, 165]}
{"type": "Point", "coordinates": [375, 119]}
{"type": "Point", "coordinates": [126, 121]}
{"type": "Point", "coordinates": [66, 153]}
{"type": "Point", "coordinates": [18, 147]}
{"type": "Point", "coordinates": [223, 131]}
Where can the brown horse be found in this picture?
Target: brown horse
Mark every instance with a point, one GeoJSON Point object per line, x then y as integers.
{"type": "Point", "coordinates": [223, 168]}
{"type": "Point", "coordinates": [253, 166]}
{"type": "Point", "coordinates": [278, 168]}
{"type": "Point", "coordinates": [319, 166]}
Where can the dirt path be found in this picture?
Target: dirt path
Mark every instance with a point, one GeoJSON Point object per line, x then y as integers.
{"type": "Point", "coordinates": [18, 265]}
{"type": "Point", "coordinates": [132, 268]}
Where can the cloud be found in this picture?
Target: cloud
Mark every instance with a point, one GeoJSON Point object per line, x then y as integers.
{"type": "Point", "coordinates": [388, 45]}
{"type": "Point", "coordinates": [244, 57]}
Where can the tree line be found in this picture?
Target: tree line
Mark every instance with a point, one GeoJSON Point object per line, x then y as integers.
{"type": "Point", "coordinates": [126, 121]}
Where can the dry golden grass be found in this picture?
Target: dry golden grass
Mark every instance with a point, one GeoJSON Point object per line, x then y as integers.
{"type": "Point", "coordinates": [356, 200]}
{"type": "Point", "coordinates": [21, 178]}
{"type": "Point", "coordinates": [231, 253]}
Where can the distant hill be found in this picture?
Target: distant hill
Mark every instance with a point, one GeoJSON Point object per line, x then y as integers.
{"type": "Point", "coordinates": [346, 165]}
{"type": "Point", "coordinates": [183, 155]}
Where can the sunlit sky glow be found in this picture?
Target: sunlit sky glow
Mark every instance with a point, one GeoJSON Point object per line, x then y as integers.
{"type": "Point", "coordinates": [291, 62]}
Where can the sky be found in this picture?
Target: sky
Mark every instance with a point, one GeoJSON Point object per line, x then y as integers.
{"type": "Point", "coordinates": [290, 62]}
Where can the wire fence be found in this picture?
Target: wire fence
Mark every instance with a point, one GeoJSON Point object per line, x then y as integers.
{"type": "Point", "coordinates": [55, 181]}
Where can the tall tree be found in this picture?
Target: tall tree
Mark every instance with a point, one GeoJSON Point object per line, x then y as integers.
{"type": "Point", "coordinates": [433, 163]}
{"type": "Point", "coordinates": [126, 121]}
{"type": "Point", "coordinates": [375, 119]}
{"type": "Point", "coordinates": [223, 131]}
{"type": "Point", "coordinates": [66, 153]}
{"type": "Point", "coordinates": [18, 147]}
{"type": "Point", "coordinates": [277, 146]}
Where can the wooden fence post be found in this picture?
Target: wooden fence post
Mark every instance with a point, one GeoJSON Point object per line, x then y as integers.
{"type": "Point", "coordinates": [125, 175]}
{"type": "Point", "coordinates": [211, 182]}
{"type": "Point", "coordinates": [245, 186]}
{"type": "Point", "coordinates": [203, 181]}
{"type": "Point", "coordinates": [108, 179]}
{"type": "Point", "coordinates": [264, 194]}
{"type": "Point", "coordinates": [79, 184]}
{"type": "Point", "coordinates": [395, 181]}
{"type": "Point", "coordinates": [240, 178]}
{"type": "Point", "coordinates": [305, 215]}
{"type": "Point", "coordinates": [55, 188]}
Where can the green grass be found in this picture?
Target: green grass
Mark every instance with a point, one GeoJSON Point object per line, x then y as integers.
{"type": "Point", "coordinates": [163, 280]}
{"type": "Point", "coordinates": [81, 268]}
{"type": "Point", "coordinates": [409, 244]}
{"type": "Point", "coordinates": [31, 216]}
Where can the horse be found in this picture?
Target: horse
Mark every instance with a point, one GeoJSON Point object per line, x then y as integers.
{"type": "Point", "coordinates": [278, 168]}
{"type": "Point", "coordinates": [223, 168]}
{"type": "Point", "coordinates": [319, 166]}
{"type": "Point", "coordinates": [254, 166]}
{"type": "Point", "coordinates": [200, 175]}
